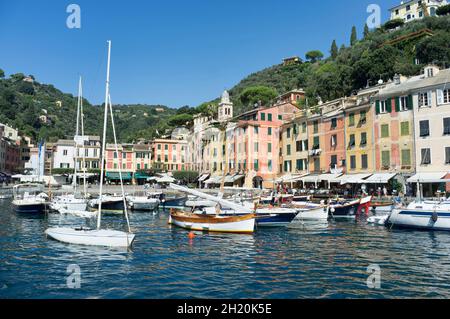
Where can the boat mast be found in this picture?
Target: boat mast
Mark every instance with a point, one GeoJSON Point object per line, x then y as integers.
{"type": "Point", "coordinates": [105, 122]}
{"type": "Point", "coordinates": [82, 134]}
{"type": "Point", "coordinates": [74, 182]}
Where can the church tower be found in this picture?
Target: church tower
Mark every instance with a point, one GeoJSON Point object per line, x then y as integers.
{"type": "Point", "coordinates": [225, 109]}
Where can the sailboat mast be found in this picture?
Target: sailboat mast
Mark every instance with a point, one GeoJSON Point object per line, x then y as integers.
{"type": "Point", "coordinates": [82, 134]}
{"type": "Point", "coordinates": [105, 123]}
{"type": "Point", "coordinates": [74, 182]}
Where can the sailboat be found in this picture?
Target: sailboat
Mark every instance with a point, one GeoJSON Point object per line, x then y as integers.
{"type": "Point", "coordinates": [244, 223]}
{"type": "Point", "coordinates": [70, 203]}
{"type": "Point", "coordinates": [99, 236]}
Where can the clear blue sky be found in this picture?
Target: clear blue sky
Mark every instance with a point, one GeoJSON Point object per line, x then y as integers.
{"type": "Point", "coordinates": [171, 52]}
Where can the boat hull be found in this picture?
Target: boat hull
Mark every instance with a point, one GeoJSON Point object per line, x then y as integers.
{"type": "Point", "coordinates": [349, 210]}
{"type": "Point", "coordinates": [38, 208]}
{"type": "Point", "coordinates": [319, 213]}
{"type": "Point", "coordinates": [419, 219]}
{"type": "Point", "coordinates": [101, 237]}
{"type": "Point", "coordinates": [143, 204]}
{"type": "Point", "coordinates": [111, 205]}
{"type": "Point", "coordinates": [174, 202]}
{"type": "Point", "coordinates": [222, 224]}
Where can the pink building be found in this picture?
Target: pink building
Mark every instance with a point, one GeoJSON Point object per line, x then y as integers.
{"type": "Point", "coordinates": [169, 155]}
{"type": "Point", "coordinates": [334, 144]}
{"type": "Point", "coordinates": [257, 143]}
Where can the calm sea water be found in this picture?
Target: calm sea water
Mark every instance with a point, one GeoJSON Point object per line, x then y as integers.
{"type": "Point", "coordinates": [305, 261]}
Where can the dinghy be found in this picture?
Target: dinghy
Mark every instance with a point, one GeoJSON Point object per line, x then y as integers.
{"type": "Point", "coordinates": [99, 237]}
{"type": "Point", "coordinates": [213, 223]}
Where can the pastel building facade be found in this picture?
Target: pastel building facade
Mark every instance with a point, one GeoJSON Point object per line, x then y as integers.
{"type": "Point", "coordinates": [169, 155]}
{"type": "Point", "coordinates": [415, 9]}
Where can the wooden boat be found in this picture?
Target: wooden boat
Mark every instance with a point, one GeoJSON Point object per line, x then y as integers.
{"type": "Point", "coordinates": [213, 223]}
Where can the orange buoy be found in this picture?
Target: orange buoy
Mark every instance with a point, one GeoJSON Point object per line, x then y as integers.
{"type": "Point", "coordinates": [191, 235]}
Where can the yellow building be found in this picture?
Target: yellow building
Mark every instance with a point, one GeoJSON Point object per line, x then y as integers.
{"type": "Point", "coordinates": [414, 9]}
{"type": "Point", "coordinates": [359, 133]}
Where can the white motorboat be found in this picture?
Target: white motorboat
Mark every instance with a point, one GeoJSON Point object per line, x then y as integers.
{"type": "Point", "coordinates": [68, 202]}
{"type": "Point", "coordinates": [29, 198]}
{"type": "Point", "coordinates": [144, 203]}
{"type": "Point", "coordinates": [433, 215]}
{"type": "Point", "coordinates": [319, 212]}
{"type": "Point", "coordinates": [109, 203]}
{"type": "Point", "coordinates": [99, 237]}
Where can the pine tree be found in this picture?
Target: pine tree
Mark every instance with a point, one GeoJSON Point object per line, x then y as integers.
{"type": "Point", "coordinates": [334, 50]}
{"type": "Point", "coordinates": [353, 37]}
{"type": "Point", "coordinates": [366, 31]}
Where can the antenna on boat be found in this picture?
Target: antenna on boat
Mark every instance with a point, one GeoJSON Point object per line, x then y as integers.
{"type": "Point", "coordinates": [105, 122]}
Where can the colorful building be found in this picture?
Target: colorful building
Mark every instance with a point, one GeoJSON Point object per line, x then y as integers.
{"type": "Point", "coordinates": [169, 155]}
{"type": "Point", "coordinates": [415, 9]}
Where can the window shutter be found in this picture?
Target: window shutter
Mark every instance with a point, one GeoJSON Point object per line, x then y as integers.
{"type": "Point", "coordinates": [397, 104]}
{"type": "Point", "coordinates": [410, 102]}
{"type": "Point", "coordinates": [440, 96]}
{"type": "Point", "coordinates": [429, 98]}
{"type": "Point", "coordinates": [377, 107]}
{"type": "Point", "coordinates": [389, 105]}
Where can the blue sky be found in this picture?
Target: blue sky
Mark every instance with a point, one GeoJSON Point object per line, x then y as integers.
{"type": "Point", "coordinates": [169, 52]}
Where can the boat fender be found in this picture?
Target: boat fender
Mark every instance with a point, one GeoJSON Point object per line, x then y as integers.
{"type": "Point", "coordinates": [434, 217]}
{"type": "Point", "coordinates": [332, 209]}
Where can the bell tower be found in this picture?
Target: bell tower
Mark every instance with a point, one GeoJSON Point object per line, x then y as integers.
{"type": "Point", "coordinates": [225, 109]}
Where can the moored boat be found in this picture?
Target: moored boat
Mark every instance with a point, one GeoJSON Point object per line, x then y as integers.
{"type": "Point", "coordinates": [109, 203]}
{"type": "Point", "coordinates": [427, 215]}
{"type": "Point", "coordinates": [313, 213]}
{"type": "Point", "coordinates": [344, 209]}
{"type": "Point", "coordinates": [142, 203]}
{"type": "Point", "coordinates": [32, 200]}
{"type": "Point", "coordinates": [213, 223]}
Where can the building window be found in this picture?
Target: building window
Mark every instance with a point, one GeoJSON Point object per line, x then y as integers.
{"type": "Point", "coordinates": [138, 166]}
{"type": "Point", "coordinates": [269, 131]}
{"type": "Point", "coordinates": [383, 106]}
{"type": "Point", "coordinates": [317, 164]}
{"type": "Point", "coordinates": [426, 156]}
{"type": "Point", "coordinates": [288, 132]}
{"type": "Point", "coordinates": [174, 147]}
{"type": "Point", "coordinates": [256, 130]}
{"type": "Point", "coordinates": [424, 99]}
{"type": "Point", "coordinates": [406, 157]}
{"type": "Point", "coordinates": [166, 158]}
{"type": "Point", "coordinates": [333, 123]}
{"type": "Point", "coordinates": [256, 147]}
{"type": "Point", "coordinates": [269, 165]}
{"type": "Point", "coordinates": [362, 117]}
{"type": "Point", "coordinates": [280, 117]}
{"type": "Point", "coordinates": [352, 142]}
{"type": "Point", "coordinates": [159, 146]}
{"type": "Point", "coordinates": [351, 119]}
{"type": "Point", "coordinates": [115, 154]}
{"type": "Point", "coordinates": [299, 164]}
{"type": "Point", "coordinates": [404, 128]}
{"type": "Point", "coordinates": [386, 159]}
{"type": "Point", "coordinates": [298, 146]}
{"type": "Point", "coordinates": [333, 161]}
{"type": "Point", "coordinates": [256, 165]}
{"type": "Point", "coordinates": [363, 139]}
{"type": "Point", "coordinates": [364, 162]}
{"type": "Point", "coordinates": [384, 130]}
{"type": "Point", "coordinates": [424, 128]}
{"type": "Point", "coordinates": [408, 7]}
{"type": "Point", "coordinates": [447, 155]}
{"type": "Point", "coordinates": [269, 117]}
{"type": "Point", "coordinates": [353, 162]}
{"type": "Point", "coordinates": [446, 126]}
{"type": "Point", "coordinates": [316, 127]}
{"type": "Point", "coordinates": [65, 152]}
{"type": "Point", "coordinates": [263, 116]}
{"type": "Point", "coordinates": [288, 150]}
{"type": "Point", "coordinates": [316, 143]}
{"type": "Point", "coordinates": [333, 140]}
{"type": "Point", "coordinates": [443, 96]}
{"type": "Point", "coordinates": [269, 148]}
{"type": "Point", "coordinates": [403, 103]}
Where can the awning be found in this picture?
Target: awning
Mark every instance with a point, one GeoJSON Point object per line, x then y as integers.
{"type": "Point", "coordinates": [203, 177]}
{"type": "Point", "coordinates": [351, 179]}
{"type": "Point", "coordinates": [427, 178]}
{"type": "Point", "coordinates": [229, 179]}
{"type": "Point", "coordinates": [214, 180]}
{"type": "Point", "coordinates": [116, 176]}
{"type": "Point", "coordinates": [379, 178]}
{"type": "Point", "coordinates": [165, 179]}
{"type": "Point", "coordinates": [330, 178]}
{"type": "Point", "coordinates": [140, 175]}
{"type": "Point", "coordinates": [237, 177]}
{"type": "Point", "coordinates": [310, 179]}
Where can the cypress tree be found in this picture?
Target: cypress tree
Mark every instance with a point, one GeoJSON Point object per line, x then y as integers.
{"type": "Point", "coordinates": [334, 50]}
{"type": "Point", "coordinates": [354, 36]}
{"type": "Point", "coordinates": [366, 31]}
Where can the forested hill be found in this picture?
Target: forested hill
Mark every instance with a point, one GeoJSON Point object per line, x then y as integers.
{"type": "Point", "coordinates": [44, 112]}
{"type": "Point", "coordinates": [349, 67]}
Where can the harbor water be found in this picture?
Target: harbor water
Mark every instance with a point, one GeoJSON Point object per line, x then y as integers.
{"type": "Point", "coordinates": [307, 260]}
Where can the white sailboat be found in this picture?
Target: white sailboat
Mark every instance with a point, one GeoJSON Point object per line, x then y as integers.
{"type": "Point", "coordinates": [70, 203]}
{"type": "Point", "coordinates": [98, 237]}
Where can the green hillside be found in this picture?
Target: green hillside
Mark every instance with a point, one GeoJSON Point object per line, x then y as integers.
{"type": "Point", "coordinates": [350, 68]}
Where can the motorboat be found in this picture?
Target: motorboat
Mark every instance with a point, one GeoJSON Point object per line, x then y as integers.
{"type": "Point", "coordinates": [143, 203]}
{"type": "Point", "coordinates": [109, 203]}
{"type": "Point", "coordinates": [349, 208]}
{"type": "Point", "coordinates": [29, 198]}
{"type": "Point", "coordinates": [68, 202]}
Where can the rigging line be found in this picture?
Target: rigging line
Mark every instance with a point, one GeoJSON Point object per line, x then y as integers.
{"type": "Point", "coordinates": [120, 166]}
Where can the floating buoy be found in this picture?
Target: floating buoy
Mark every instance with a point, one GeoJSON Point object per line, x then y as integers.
{"type": "Point", "coordinates": [191, 235]}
